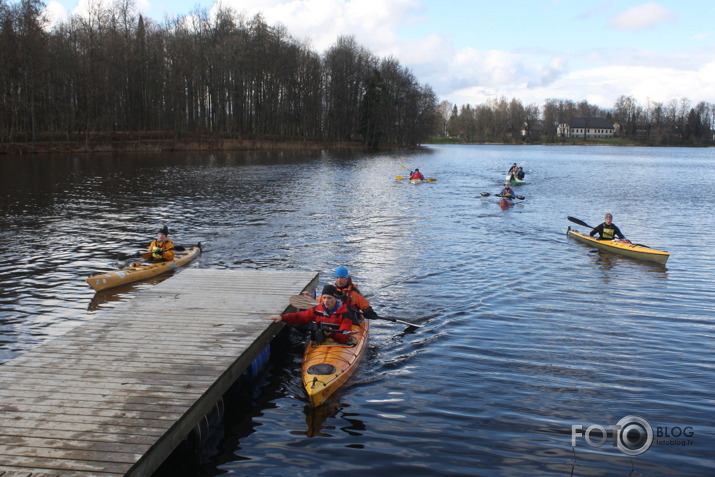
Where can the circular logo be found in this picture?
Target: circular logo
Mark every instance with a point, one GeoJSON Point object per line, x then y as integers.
{"type": "Point", "coordinates": [635, 435]}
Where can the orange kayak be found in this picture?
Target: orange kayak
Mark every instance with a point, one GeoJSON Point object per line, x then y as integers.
{"type": "Point", "coordinates": [326, 367]}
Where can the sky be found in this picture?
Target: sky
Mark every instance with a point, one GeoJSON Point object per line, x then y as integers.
{"type": "Point", "coordinates": [471, 51]}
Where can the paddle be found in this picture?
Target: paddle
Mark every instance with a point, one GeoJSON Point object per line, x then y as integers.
{"type": "Point", "coordinates": [399, 178]}
{"type": "Point", "coordinates": [581, 222]}
{"type": "Point", "coordinates": [146, 255]}
{"type": "Point", "coordinates": [487, 194]}
{"type": "Point", "coordinates": [303, 302]}
{"type": "Point", "coordinates": [578, 221]}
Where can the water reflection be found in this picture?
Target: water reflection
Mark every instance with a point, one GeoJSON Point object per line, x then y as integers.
{"type": "Point", "coordinates": [525, 331]}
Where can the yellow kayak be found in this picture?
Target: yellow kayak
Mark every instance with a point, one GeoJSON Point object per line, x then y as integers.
{"type": "Point", "coordinates": [327, 366]}
{"type": "Point", "coordinates": [141, 270]}
{"type": "Point", "coordinates": [628, 249]}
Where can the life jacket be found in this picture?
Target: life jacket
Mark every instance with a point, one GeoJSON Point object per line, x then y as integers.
{"type": "Point", "coordinates": [156, 245]}
{"type": "Point", "coordinates": [417, 175]}
{"type": "Point", "coordinates": [352, 296]}
{"type": "Point", "coordinates": [321, 315]}
{"type": "Point", "coordinates": [608, 233]}
{"type": "Point", "coordinates": [507, 192]}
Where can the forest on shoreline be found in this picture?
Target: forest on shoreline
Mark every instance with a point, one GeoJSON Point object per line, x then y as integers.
{"type": "Point", "coordinates": [114, 77]}
{"type": "Point", "coordinates": [112, 80]}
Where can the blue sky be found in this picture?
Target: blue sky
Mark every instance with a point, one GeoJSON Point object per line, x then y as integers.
{"type": "Point", "coordinates": [474, 51]}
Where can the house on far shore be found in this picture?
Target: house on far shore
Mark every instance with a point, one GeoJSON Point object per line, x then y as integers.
{"type": "Point", "coordinates": [587, 128]}
{"type": "Point", "coordinates": [533, 129]}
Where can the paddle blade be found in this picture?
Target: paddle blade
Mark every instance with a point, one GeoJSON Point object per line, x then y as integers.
{"type": "Point", "coordinates": [399, 178]}
{"type": "Point", "coordinates": [302, 302]}
{"type": "Point", "coordinates": [485, 194]}
{"type": "Point", "coordinates": [431, 180]}
{"type": "Point", "coordinates": [404, 167]}
{"type": "Point", "coordinates": [520, 197]}
{"type": "Point", "coordinates": [578, 221]}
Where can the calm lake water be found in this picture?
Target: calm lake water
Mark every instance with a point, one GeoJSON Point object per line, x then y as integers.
{"type": "Point", "coordinates": [525, 334]}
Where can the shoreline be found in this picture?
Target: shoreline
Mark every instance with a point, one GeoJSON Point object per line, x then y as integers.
{"type": "Point", "coordinates": [224, 145]}
{"type": "Point", "coordinates": [169, 145]}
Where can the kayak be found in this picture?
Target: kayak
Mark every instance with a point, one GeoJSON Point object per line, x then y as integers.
{"type": "Point", "coordinates": [632, 250]}
{"type": "Point", "coordinates": [505, 202]}
{"type": "Point", "coordinates": [514, 181]}
{"type": "Point", "coordinates": [141, 270]}
{"type": "Point", "coordinates": [327, 366]}
{"type": "Point", "coordinates": [417, 181]}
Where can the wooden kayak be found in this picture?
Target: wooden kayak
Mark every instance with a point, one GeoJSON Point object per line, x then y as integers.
{"type": "Point", "coordinates": [326, 367]}
{"type": "Point", "coordinates": [141, 270]}
{"type": "Point", "coordinates": [632, 250]}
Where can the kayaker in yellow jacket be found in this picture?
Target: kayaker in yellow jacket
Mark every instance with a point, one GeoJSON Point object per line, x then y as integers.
{"type": "Point", "coordinates": [607, 230]}
{"type": "Point", "coordinates": [162, 248]}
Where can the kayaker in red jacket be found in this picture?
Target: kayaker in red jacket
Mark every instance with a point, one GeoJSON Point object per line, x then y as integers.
{"type": "Point", "coordinates": [417, 175]}
{"type": "Point", "coordinates": [159, 248]}
{"type": "Point", "coordinates": [350, 293]}
{"type": "Point", "coordinates": [330, 311]}
{"type": "Point", "coordinates": [607, 230]}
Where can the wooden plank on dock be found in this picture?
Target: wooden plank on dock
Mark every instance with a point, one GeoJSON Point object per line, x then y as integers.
{"type": "Point", "coordinates": [117, 394]}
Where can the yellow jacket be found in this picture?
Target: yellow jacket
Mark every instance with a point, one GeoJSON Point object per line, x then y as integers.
{"type": "Point", "coordinates": [156, 245]}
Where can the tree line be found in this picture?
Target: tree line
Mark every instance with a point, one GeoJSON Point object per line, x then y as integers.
{"type": "Point", "coordinates": [114, 73]}
{"type": "Point", "coordinates": [676, 122]}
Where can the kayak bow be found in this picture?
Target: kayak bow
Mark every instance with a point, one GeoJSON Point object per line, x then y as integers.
{"type": "Point", "coordinates": [326, 367]}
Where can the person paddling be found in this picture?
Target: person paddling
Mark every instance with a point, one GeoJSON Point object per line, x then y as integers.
{"type": "Point", "coordinates": [350, 293]}
{"type": "Point", "coordinates": [162, 248]}
{"type": "Point", "coordinates": [507, 191]}
{"type": "Point", "coordinates": [607, 230]}
{"type": "Point", "coordinates": [417, 175]}
{"type": "Point", "coordinates": [334, 318]}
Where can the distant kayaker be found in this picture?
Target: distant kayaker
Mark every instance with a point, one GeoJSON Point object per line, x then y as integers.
{"type": "Point", "coordinates": [513, 169]}
{"type": "Point", "coordinates": [330, 311]}
{"type": "Point", "coordinates": [520, 173]}
{"type": "Point", "coordinates": [350, 293]}
{"type": "Point", "coordinates": [507, 191]}
{"type": "Point", "coordinates": [162, 248]}
{"type": "Point", "coordinates": [417, 175]}
{"type": "Point", "coordinates": [607, 230]}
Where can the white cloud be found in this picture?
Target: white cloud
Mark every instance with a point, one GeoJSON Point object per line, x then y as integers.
{"type": "Point", "coordinates": [372, 22]}
{"type": "Point", "coordinates": [642, 16]}
{"type": "Point", "coordinates": [56, 13]}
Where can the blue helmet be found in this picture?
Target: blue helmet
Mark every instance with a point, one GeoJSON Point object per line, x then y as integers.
{"type": "Point", "coordinates": [341, 272]}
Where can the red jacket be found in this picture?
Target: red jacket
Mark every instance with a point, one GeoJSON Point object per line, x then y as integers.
{"type": "Point", "coordinates": [342, 316]}
{"type": "Point", "coordinates": [417, 175]}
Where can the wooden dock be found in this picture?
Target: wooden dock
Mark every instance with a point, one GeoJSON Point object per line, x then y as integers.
{"type": "Point", "coordinates": [116, 395]}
